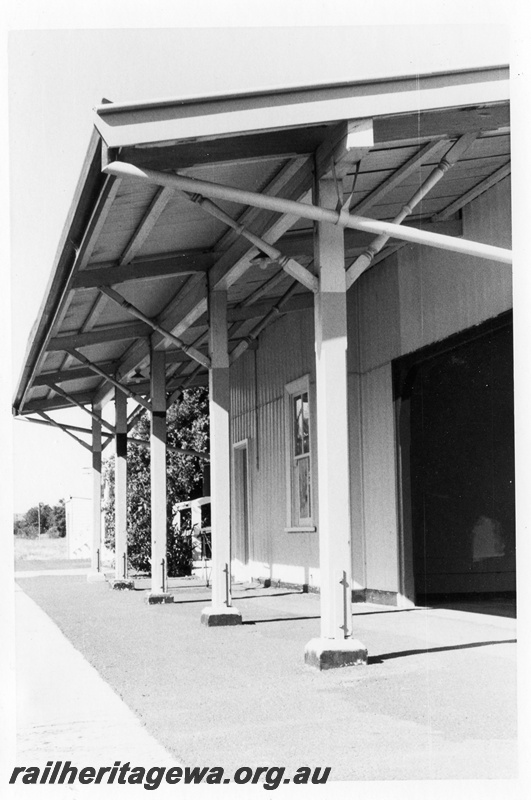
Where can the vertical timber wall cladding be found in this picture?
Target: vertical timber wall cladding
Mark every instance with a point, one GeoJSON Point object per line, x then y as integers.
{"type": "Point", "coordinates": [415, 298]}
{"type": "Point", "coordinates": [258, 379]}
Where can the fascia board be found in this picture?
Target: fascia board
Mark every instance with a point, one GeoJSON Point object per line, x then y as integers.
{"type": "Point", "coordinates": [165, 121]}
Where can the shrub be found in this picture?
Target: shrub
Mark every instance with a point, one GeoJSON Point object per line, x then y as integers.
{"type": "Point", "coordinates": [187, 427]}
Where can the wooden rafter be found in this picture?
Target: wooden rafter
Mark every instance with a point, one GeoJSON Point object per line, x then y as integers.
{"type": "Point", "coordinates": [113, 333]}
{"type": "Point", "coordinates": [466, 198]}
{"type": "Point", "coordinates": [293, 180]}
{"type": "Point", "coordinates": [181, 264]}
{"type": "Point", "coordinates": [71, 374]}
{"type": "Point", "coordinates": [155, 209]}
{"type": "Point", "coordinates": [398, 176]}
{"type": "Point", "coordinates": [83, 253]}
{"type": "Point", "coordinates": [451, 158]}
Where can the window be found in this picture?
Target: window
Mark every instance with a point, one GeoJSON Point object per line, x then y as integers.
{"type": "Point", "coordinates": [298, 447]}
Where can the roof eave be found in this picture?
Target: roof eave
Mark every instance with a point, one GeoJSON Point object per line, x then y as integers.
{"type": "Point", "coordinates": [89, 181]}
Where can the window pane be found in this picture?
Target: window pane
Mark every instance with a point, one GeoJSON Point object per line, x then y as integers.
{"type": "Point", "coordinates": [305, 418]}
{"type": "Point", "coordinates": [301, 424]}
{"type": "Point", "coordinates": [302, 482]}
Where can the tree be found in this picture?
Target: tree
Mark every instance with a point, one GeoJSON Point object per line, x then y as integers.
{"type": "Point", "coordinates": [39, 517]}
{"type": "Point", "coordinates": [187, 428]}
{"type": "Point", "coordinates": [58, 528]}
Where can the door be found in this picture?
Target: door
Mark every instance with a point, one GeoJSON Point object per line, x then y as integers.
{"type": "Point", "coordinates": [457, 415]}
{"type": "Point", "coordinates": [242, 539]}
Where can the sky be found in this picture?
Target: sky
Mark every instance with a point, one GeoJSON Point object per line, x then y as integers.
{"type": "Point", "coordinates": [60, 67]}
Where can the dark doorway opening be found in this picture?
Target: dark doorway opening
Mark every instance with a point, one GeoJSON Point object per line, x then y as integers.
{"type": "Point", "coordinates": [455, 406]}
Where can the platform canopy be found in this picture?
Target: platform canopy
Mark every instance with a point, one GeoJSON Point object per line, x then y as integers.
{"type": "Point", "coordinates": [140, 250]}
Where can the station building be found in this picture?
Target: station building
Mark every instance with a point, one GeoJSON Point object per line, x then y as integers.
{"type": "Point", "coordinates": [334, 262]}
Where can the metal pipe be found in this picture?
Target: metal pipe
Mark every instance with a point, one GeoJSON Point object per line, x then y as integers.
{"type": "Point", "coordinates": [307, 211]}
{"type": "Point", "coordinates": [84, 360]}
{"type": "Point", "coordinates": [227, 585]}
{"type": "Point", "coordinates": [188, 349]}
{"type": "Point", "coordinates": [289, 265]}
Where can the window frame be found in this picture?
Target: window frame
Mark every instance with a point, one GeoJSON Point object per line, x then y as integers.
{"type": "Point", "coordinates": [294, 523]}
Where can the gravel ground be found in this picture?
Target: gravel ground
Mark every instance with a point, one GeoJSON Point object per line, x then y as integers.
{"type": "Point", "coordinates": [437, 700]}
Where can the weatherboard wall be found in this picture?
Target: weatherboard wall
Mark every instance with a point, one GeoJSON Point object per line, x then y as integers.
{"type": "Point", "coordinates": [415, 297]}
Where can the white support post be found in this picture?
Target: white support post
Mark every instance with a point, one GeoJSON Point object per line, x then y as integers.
{"type": "Point", "coordinates": [159, 590]}
{"type": "Point", "coordinates": [96, 571]}
{"type": "Point", "coordinates": [221, 612]}
{"type": "Point", "coordinates": [335, 647]}
{"type": "Point", "coordinates": [121, 581]}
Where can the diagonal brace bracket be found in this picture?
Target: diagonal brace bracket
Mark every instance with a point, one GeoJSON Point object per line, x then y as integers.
{"type": "Point", "coordinates": [135, 312]}
{"type": "Point", "coordinates": [289, 265]}
{"type": "Point", "coordinates": [84, 360]}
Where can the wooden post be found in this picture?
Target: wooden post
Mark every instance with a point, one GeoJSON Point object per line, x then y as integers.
{"type": "Point", "coordinates": [335, 647]}
{"type": "Point", "coordinates": [221, 612]}
{"type": "Point", "coordinates": [157, 445]}
{"type": "Point", "coordinates": [121, 580]}
{"type": "Point", "coordinates": [96, 572]}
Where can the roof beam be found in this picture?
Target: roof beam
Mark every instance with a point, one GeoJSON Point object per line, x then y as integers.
{"type": "Point", "coordinates": [182, 264]}
{"type": "Point", "coordinates": [348, 143]}
{"type": "Point", "coordinates": [272, 144]}
{"type": "Point", "coordinates": [114, 333]}
{"type": "Point", "coordinates": [73, 374]}
{"type": "Point", "coordinates": [470, 117]}
{"type": "Point", "coordinates": [55, 403]}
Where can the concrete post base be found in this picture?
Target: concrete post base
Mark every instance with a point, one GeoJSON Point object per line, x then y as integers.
{"type": "Point", "coordinates": [121, 583]}
{"type": "Point", "coordinates": [95, 577]}
{"type": "Point", "coordinates": [156, 598]}
{"type": "Point", "coordinates": [221, 615]}
{"type": "Point", "coordinates": [332, 653]}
